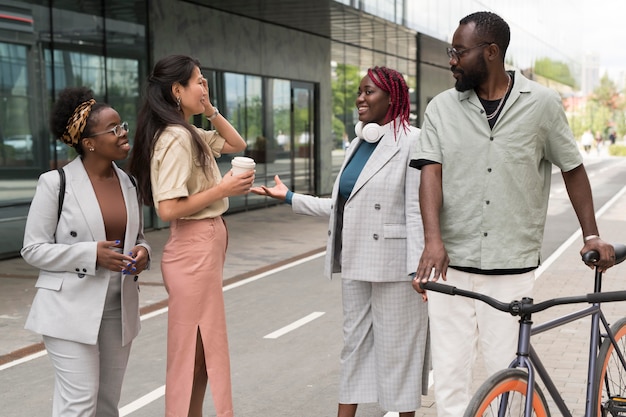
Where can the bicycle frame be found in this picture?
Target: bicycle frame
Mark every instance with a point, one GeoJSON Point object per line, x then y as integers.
{"type": "Point", "coordinates": [528, 358]}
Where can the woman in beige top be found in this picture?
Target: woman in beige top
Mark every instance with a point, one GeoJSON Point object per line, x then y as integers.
{"type": "Point", "coordinates": [186, 188]}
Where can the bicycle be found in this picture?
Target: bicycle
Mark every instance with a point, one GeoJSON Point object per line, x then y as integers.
{"type": "Point", "coordinates": [514, 391]}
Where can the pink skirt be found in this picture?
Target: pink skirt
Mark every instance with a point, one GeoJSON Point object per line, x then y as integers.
{"type": "Point", "coordinates": [192, 266]}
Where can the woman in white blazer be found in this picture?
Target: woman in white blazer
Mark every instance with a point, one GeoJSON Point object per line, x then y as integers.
{"type": "Point", "coordinates": [89, 253]}
{"type": "Point", "coordinates": [375, 238]}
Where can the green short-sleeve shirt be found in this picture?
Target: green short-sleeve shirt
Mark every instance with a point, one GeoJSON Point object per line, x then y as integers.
{"type": "Point", "coordinates": [496, 182]}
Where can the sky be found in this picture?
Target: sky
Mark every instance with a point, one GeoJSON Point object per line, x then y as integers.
{"type": "Point", "coordinates": [582, 27]}
{"type": "Point", "coordinates": [594, 27]}
{"type": "Point", "coordinates": [564, 30]}
{"type": "Point", "coordinates": [572, 27]}
{"type": "Point", "coordinates": [603, 26]}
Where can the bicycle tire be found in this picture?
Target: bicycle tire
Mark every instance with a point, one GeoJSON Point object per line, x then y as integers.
{"type": "Point", "coordinates": [610, 375]}
{"type": "Point", "coordinates": [488, 398]}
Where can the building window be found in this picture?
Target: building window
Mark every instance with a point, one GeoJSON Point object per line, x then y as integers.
{"type": "Point", "coordinates": [42, 51]}
{"type": "Point", "coordinates": [16, 140]}
{"type": "Point", "coordinates": [276, 119]}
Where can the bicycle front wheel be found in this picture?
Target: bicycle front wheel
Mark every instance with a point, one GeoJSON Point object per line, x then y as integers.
{"type": "Point", "coordinates": [610, 374]}
{"type": "Point", "coordinates": [506, 389]}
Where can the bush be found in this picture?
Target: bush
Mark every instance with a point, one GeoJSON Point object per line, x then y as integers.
{"type": "Point", "coordinates": [617, 150]}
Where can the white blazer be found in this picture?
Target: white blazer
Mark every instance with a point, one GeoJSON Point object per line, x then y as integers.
{"type": "Point", "coordinates": [382, 236]}
{"type": "Point", "coordinates": [71, 288]}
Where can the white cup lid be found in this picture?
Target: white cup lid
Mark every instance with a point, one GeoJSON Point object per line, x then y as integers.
{"type": "Point", "coordinates": [244, 159]}
{"type": "Point", "coordinates": [243, 162]}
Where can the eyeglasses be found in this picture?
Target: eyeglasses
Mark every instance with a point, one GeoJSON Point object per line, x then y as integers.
{"type": "Point", "coordinates": [116, 130]}
{"type": "Point", "coordinates": [457, 54]}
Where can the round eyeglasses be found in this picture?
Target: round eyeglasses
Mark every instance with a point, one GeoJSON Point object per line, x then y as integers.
{"type": "Point", "coordinates": [456, 54]}
{"type": "Point", "coordinates": [118, 130]}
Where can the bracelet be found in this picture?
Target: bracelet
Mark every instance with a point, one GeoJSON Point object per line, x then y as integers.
{"type": "Point", "coordinates": [214, 115]}
{"type": "Point", "coordinates": [590, 237]}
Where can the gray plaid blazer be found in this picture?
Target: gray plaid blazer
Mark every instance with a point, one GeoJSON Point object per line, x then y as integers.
{"type": "Point", "coordinates": [382, 235]}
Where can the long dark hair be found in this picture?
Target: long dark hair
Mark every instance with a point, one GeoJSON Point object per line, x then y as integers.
{"type": "Point", "coordinates": [159, 110]}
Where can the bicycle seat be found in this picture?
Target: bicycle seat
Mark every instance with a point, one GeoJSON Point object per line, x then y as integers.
{"type": "Point", "coordinates": [620, 254]}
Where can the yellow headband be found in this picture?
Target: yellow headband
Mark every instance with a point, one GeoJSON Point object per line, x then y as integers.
{"type": "Point", "coordinates": [76, 123]}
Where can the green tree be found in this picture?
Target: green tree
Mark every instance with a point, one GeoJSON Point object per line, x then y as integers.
{"type": "Point", "coordinates": [609, 105]}
{"type": "Point", "coordinates": [602, 112]}
{"type": "Point", "coordinates": [607, 95]}
{"type": "Point", "coordinates": [554, 70]}
{"type": "Point", "coordinates": [345, 85]}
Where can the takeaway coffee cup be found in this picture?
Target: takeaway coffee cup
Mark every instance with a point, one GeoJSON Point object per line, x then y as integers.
{"type": "Point", "coordinates": [242, 164]}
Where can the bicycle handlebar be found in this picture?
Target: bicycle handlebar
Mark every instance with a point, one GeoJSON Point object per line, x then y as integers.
{"type": "Point", "coordinates": [517, 308]}
{"type": "Point", "coordinates": [526, 306]}
{"type": "Point", "coordinates": [592, 256]}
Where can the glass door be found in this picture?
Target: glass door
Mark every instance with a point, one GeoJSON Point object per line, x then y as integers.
{"type": "Point", "coordinates": [303, 137]}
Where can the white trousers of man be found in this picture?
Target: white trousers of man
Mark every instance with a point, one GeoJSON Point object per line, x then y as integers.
{"type": "Point", "coordinates": [461, 325]}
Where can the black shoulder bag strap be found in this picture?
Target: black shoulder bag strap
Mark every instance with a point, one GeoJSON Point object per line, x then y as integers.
{"type": "Point", "coordinates": [61, 192]}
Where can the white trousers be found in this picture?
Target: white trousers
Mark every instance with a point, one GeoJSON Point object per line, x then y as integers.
{"type": "Point", "coordinates": [460, 325]}
{"type": "Point", "coordinates": [88, 378]}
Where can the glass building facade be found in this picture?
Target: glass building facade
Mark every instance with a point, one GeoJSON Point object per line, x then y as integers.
{"type": "Point", "coordinates": [284, 72]}
{"type": "Point", "coordinates": [42, 50]}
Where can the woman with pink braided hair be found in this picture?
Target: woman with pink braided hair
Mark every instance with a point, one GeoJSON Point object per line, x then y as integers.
{"type": "Point", "coordinates": [375, 238]}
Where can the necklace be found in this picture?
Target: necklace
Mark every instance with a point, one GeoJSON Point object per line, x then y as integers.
{"type": "Point", "coordinates": [495, 112]}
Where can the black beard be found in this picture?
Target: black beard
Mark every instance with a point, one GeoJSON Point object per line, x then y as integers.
{"type": "Point", "coordinates": [471, 79]}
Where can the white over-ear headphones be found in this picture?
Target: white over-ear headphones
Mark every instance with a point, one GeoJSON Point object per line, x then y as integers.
{"type": "Point", "coordinates": [371, 132]}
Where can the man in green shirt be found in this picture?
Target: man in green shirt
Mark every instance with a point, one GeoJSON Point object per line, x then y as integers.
{"type": "Point", "coordinates": [486, 152]}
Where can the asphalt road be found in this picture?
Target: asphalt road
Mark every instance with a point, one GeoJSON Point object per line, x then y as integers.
{"type": "Point", "coordinates": [284, 331]}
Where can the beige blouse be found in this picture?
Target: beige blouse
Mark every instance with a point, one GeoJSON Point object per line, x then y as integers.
{"type": "Point", "coordinates": [175, 169]}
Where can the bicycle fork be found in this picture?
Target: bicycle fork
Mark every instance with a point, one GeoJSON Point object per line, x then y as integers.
{"type": "Point", "coordinates": [527, 358]}
{"type": "Point", "coordinates": [523, 360]}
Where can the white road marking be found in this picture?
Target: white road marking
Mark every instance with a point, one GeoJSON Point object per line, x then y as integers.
{"type": "Point", "coordinates": [293, 326]}
{"type": "Point", "coordinates": [576, 235]}
{"type": "Point", "coordinates": [273, 271]}
{"type": "Point", "coordinates": [143, 401]}
{"type": "Point", "coordinates": [24, 359]}
{"type": "Point", "coordinates": [153, 314]}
